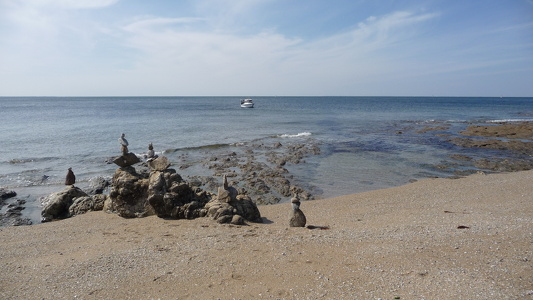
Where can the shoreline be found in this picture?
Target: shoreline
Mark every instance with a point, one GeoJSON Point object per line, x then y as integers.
{"type": "Point", "coordinates": [467, 238]}
{"type": "Point", "coordinates": [268, 171]}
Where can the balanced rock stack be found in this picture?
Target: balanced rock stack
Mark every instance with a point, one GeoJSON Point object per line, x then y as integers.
{"type": "Point", "coordinates": [296, 216]}
{"type": "Point", "coordinates": [127, 158]}
{"type": "Point", "coordinates": [231, 207]}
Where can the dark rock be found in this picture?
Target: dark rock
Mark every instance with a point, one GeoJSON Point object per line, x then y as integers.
{"type": "Point", "coordinates": [5, 194]}
{"type": "Point", "coordinates": [13, 214]}
{"type": "Point", "coordinates": [70, 179]}
{"type": "Point", "coordinates": [98, 185]}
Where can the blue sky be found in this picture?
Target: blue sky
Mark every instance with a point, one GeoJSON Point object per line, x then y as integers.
{"type": "Point", "coordinates": [266, 47]}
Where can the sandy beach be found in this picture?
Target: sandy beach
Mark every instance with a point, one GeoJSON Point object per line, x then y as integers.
{"type": "Point", "coordinates": [468, 238]}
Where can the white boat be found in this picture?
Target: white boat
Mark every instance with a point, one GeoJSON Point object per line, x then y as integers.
{"type": "Point", "coordinates": [247, 103]}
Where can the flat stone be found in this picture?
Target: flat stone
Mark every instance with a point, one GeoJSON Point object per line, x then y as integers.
{"type": "Point", "coordinates": [160, 163]}
{"type": "Point", "coordinates": [126, 160]}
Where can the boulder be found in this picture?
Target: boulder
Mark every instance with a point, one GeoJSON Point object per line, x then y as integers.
{"type": "Point", "coordinates": [56, 205]}
{"type": "Point", "coordinates": [126, 160]}
{"type": "Point", "coordinates": [84, 204]}
{"type": "Point", "coordinates": [160, 163]}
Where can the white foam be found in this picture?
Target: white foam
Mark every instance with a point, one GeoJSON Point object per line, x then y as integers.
{"type": "Point", "coordinates": [508, 120]}
{"type": "Point", "coordinates": [301, 134]}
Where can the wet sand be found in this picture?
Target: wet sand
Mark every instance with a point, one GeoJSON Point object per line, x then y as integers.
{"type": "Point", "coordinates": [468, 238]}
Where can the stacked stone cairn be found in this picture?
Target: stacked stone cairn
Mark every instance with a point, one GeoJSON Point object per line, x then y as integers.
{"type": "Point", "coordinates": [231, 207]}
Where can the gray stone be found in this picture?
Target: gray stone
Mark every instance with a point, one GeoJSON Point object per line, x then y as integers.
{"type": "Point", "coordinates": [126, 160]}
{"type": "Point", "coordinates": [129, 194]}
{"type": "Point", "coordinates": [84, 204]}
{"type": "Point", "coordinates": [56, 205]}
{"type": "Point", "coordinates": [296, 216]}
{"type": "Point", "coordinates": [160, 163]}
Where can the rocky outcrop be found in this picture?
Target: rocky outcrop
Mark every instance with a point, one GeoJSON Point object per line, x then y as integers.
{"type": "Point", "coordinates": [163, 193]}
{"type": "Point", "coordinates": [129, 194]}
{"type": "Point", "coordinates": [141, 193]}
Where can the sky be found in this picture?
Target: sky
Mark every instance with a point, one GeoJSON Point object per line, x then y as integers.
{"type": "Point", "coordinates": [266, 48]}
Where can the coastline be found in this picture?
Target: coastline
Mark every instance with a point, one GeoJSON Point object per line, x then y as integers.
{"type": "Point", "coordinates": [467, 238]}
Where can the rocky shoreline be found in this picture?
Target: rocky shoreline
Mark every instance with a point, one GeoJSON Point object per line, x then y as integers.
{"type": "Point", "coordinates": [489, 148]}
{"type": "Point", "coordinates": [258, 169]}
{"type": "Point", "coordinates": [261, 171]}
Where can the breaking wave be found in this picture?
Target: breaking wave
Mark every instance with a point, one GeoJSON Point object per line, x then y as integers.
{"type": "Point", "coordinates": [301, 134]}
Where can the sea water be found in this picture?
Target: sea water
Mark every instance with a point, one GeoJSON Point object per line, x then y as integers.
{"type": "Point", "coordinates": [366, 142]}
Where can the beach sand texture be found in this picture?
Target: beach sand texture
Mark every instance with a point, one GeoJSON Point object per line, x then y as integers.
{"type": "Point", "coordinates": [469, 238]}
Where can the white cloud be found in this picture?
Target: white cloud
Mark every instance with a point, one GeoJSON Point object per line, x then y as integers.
{"type": "Point", "coordinates": [230, 61]}
{"type": "Point", "coordinates": [215, 47]}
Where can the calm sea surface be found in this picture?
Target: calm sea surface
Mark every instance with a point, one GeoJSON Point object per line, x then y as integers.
{"type": "Point", "coordinates": [361, 145]}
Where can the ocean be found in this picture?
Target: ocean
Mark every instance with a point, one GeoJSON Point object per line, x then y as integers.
{"type": "Point", "coordinates": [365, 143]}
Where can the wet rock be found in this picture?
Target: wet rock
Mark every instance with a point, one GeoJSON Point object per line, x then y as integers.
{"type": "Point", "coordinates": [504, 165]}
{"type": "Point", "coordinates": [13, 214]}
{"type": "Point", "coordinates": [518, 130]}
{"type": "Point", "coordinates": [432, 128]}
{"type": "Point", "coordinates": [5, 194]}
{"type": "Point", "coordinates": [519, 146]}
{"type": "Point", "coordinates": [98, 185]}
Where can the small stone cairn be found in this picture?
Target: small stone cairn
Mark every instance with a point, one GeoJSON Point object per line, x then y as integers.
{"type": "Point", "coordinates": [296, 216]}
{"type": "Point", "coordinates": [127, 158]}
{"type": "Point", "coordinates": [231, 207]}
